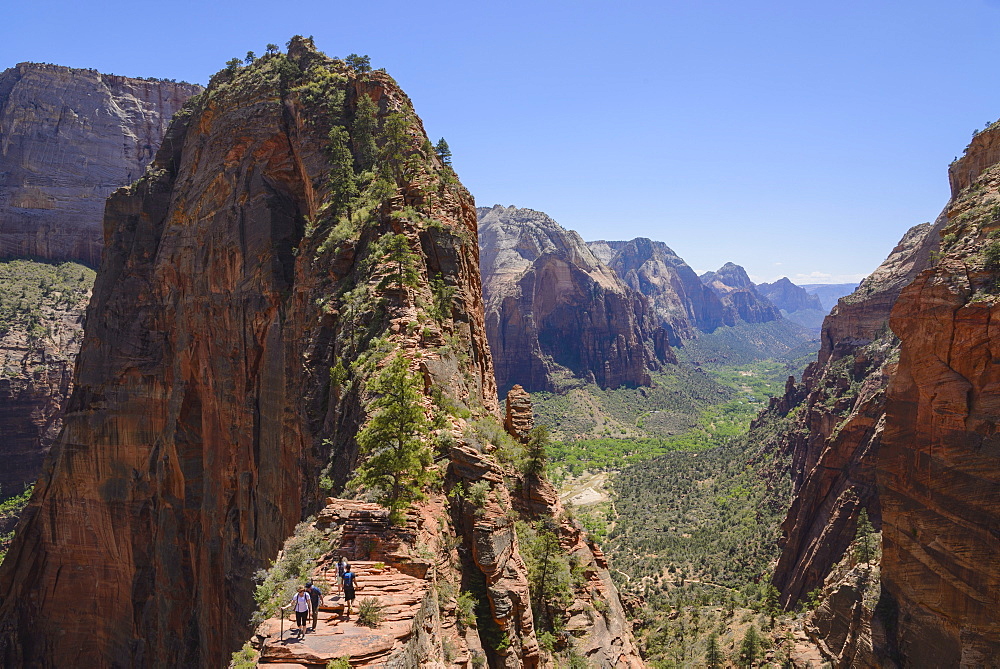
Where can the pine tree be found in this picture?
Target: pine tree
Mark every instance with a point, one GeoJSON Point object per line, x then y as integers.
{"type": "Point", "coordinates": [401, 263]}
{"type": "Point", "coordinates": [864, 539]}
{"type": "Point", "coordinates": [364, 131]}
{"type": "Point", "coordinates": [394, 440]}
{"type": "Point", "coordinates": [443, 152]}
{"type": "Point", "coordinates": [343, 187]}
{"type": "Point", "coordinates": [749, 648]}
{"type": "Point", "coordinates": [713, 655]}
{"type": "Point", "coordinates": [359, 64]}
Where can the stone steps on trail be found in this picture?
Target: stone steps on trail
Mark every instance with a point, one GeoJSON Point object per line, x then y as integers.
{"type": "Point", "coordinates": [338, 635]}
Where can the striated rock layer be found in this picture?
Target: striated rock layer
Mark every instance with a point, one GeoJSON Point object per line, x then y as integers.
{"type": "Point", "coordinates": [679, 301]}
{"type": "Point", "coordinates": [204, 408]}
{"type": "Point", "coordinates": [550, 304]}
{"type": "Point", "coordinates": [68, 138]}
{"type": "Point", "coordinates": [939, 467]}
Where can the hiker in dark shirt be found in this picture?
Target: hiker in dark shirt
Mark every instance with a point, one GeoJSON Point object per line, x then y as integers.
{"type": "Point", "coordinates": [349, 582]}
{"type": "Point", "coordinates": [317, 596]}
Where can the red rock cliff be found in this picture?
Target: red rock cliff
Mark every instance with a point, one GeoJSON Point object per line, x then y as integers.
{"type": "Point", "coordinates": [939, 467]}
{"type": "Point", "coordinates": [204, 408]}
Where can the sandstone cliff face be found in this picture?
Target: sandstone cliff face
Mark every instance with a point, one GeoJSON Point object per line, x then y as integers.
{"type": "Point", "coordinates": [740, 299]}
{"type": "Point", "coordinates": [916, 447]}
{"type": "Point", "coordinates": [245, 298]}
{"type": "Point", "coordinates": [68, 138]}
{"type": "Point", "coordinates": [203, 407]}
{"type": "Point", "coordinates": [841, 419]}
{"type": "Point", "coordinates": [938, 473]}
{"type": "Point", "coordinates": [678, 299]}
{"type": "Point", "coordinates": [551, 303]}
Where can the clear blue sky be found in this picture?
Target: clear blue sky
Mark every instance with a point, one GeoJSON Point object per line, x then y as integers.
{"type": "Point", "coordinates": [794, 138]}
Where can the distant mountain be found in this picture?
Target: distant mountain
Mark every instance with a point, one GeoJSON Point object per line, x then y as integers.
{"type": "Point", "coordinates": [678, 299]}
{"type": "Point", "coordinates": [551, 304]}
{"type": "Point", "coordinates": [787, 296]}
{"type": "Point", "coordinates": [795, 303]}
{"type": "Point", "coordinates": [829, 293]}
{"type": "Point", "coordinates": [740, 298]}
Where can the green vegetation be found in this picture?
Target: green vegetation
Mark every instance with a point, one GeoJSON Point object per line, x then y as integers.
{"type": "Point", "coordinates": [10, 511]}
{"type": "Point", "coordinates": [394, 441]}
{"type": "Point", "coordinates": [32, 292]}
{"type": "Point", "coordinates": [750, 648]}
{"type": "Point", "coordinates": [671, 405]}
{"type": "Point", "coordinates": [277, 584]}
{"type": "Point", "coordinates": [370, 612]}
{"type": "Point", "coordinates": [339, 663]}
{"type": "Point", "coordinates": [443, 152]}
{"type": "Point", "coordinates": [466, 610]}
{"type": "Point", "coordinates": [865, 545]}
{"type": "Point", "coordinates": [712, 516]}
{"type": "Point", "coordinates": [552, 574]}
{"type": "Point", "coordinates": [750, 342]}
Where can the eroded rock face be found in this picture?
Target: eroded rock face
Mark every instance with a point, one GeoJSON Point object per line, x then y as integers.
{"type": "Point", "coordinates": [740, 299]}
{"type": "Point", "coordinates": [678, 299]}
{"type": "Point", "coordinates": [204, 407]}
{"type": "Point", "coordinates": [839, 427]}
{"type": "Point", "coordinates": [68, 139]}
{"type": "Point", "coordinates": [939, 465]}
{"type": "Point", "coordinates": [551, 303]}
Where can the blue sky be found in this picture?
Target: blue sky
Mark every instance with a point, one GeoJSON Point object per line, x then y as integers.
{"type": "Point", "coordinates": [796, 139]}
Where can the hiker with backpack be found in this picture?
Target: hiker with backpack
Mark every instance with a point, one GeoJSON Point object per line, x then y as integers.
{"type": "Point", "coordinates": [349, 583]}
{"type": "Point", "coordinates": [316, 595]}
{"type": "Point", "coordinates": [302, 605]}
{"type": "Point", "coordinates": [341, 568]}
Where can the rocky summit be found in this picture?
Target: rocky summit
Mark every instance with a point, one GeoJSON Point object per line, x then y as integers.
{"type": "Point", "coordinates": [679, 301]}
{"type": "Point", "coordinates": [740, 299]}
{"type": "Point", "coordinates": [295, 240]}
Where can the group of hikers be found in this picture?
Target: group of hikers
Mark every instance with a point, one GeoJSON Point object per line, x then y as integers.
{"type": "Point", "coordinates": [307, 599]}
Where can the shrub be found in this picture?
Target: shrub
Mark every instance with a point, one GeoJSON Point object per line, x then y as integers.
{"type": "Point", "coordinates": [467, 609]}
{"type": "Point", "coordinates": [370, 612]}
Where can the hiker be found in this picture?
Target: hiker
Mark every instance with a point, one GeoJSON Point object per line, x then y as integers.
{"type": "Point", "coordinates": [301, 604]}
{"type": "Point", "coordinates": [341, 568]}
{"type": "Point", "coordinates": [349, 583]}
{"type": "Point", "coordinates": [317, 595]}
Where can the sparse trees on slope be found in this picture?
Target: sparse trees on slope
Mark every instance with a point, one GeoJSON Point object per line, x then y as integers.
{"type": "Point", "coordinates": [443, 152]}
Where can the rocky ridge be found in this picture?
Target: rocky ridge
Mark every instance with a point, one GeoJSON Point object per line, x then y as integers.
{"type": "Point", "coordinates": [679, 301]}
{"type": "Point", "coordinates": [740, 298]}
{"type": "Point", "coordinates": [240, 274]}
{"type": "Point", "coordinates": [786, 296]}
{"type": "Point", "coordinates": [551, 305]}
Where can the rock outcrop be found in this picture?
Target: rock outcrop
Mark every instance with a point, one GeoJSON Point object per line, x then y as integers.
{"type": "Point", "coordinates": [68, 139]}
{"type": "Point", "coordinates": [679, 301]}
{"type": "Point", "coordinates": [841, 419]}
{"type": "Point", "coordinates": [551, 304]}
{"type": "Point", "coordinates": [740, 299]}
{"type": "Point", "coordinates": [204, 407]}
{"type": "Point", "coordinates": [247, 296]}
{"type": "Point", "coordinates": [912, 436]}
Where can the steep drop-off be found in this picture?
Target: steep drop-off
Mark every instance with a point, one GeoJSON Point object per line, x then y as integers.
{"type": "Point", "coordinates": [68, 139]}
{"type": "Point", "coordinates": [902, 422]}
{"type": "Point", "coordinates": [938, 471]}
{"type": "Point", "coordinates": [550, 304]}
{"type": "Point", "coordinates": [294, 232]}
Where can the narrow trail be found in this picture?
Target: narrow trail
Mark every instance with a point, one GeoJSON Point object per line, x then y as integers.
{"type": "Point", "coordinates": [399, 585]}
